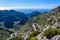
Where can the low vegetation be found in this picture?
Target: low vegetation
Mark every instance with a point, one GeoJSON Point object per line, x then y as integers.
{"type": "Point", "coordinates": [51, 32]}
{"type": "Point", "coordinates": [17, 38]}
{"type": "Point", "coordinates": [4, 35]}
{"type": "Point", "coordinates": [34, 33]}
{"type": "Point", "coordinates": [32, 38]}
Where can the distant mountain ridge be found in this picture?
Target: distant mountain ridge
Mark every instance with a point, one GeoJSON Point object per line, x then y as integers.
{"type": "Point", "coordinates": [33, 14]}
{"type": "Point", "coordinates": [28, 11]}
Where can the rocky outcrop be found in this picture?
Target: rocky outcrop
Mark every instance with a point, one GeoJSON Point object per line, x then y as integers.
{"type": "Point", "coordinates": [57, 37]}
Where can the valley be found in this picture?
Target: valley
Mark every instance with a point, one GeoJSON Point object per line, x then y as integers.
{"type": "Point", "coordinates": [34, 26]}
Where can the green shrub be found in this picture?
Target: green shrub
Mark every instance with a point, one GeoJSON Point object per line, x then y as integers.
{"type": "Point", "coordinates": [51, 32]}
{"type": "Point", "coordinates": [32, 38]}
{"type": "Point", "coordinates": [58, 27]}
{"type": "Point", "coordinates": [17, 38]}
{"type": "Point", "coordinates": [4, 34]}
{"type": "Point", "coordinates": [34, 33]}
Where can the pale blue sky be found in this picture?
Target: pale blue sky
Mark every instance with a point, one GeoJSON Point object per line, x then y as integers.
{"type": "Point", "coordinates": [9, 4]}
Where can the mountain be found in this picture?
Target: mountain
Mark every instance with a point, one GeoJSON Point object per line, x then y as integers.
{"type": "Point", "coordinates": [28, 11]}
{"type": "Point", "coordinates": [33, 14]}
{"type": "Point", "coordinates": [10, 16]}
{"type": "Point", "coordinates": [47, 23]}
{"type": "Point", "coordinates": [43, 17]}
{"type": "Point", "coordinates": [36, 25]}
{"type": "Point", "coordinates": [56, 9]}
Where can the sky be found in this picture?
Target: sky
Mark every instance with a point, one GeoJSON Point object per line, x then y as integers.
{"type": "Point", "coordinates": [29, 4]}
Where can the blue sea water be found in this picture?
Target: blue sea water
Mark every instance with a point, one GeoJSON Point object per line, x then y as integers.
{"type": "Point", "coordinates": [28, 11]}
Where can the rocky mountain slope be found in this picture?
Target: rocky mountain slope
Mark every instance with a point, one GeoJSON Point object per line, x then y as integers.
{"type": "Point", "coordinates": [45, 21]}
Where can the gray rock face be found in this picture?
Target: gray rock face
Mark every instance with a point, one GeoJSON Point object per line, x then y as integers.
{"type": "Point", "coordinates": [57, 37]}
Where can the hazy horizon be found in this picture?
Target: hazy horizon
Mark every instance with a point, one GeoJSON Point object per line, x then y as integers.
{"type": "Point", "coordinates": [28, 4]}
